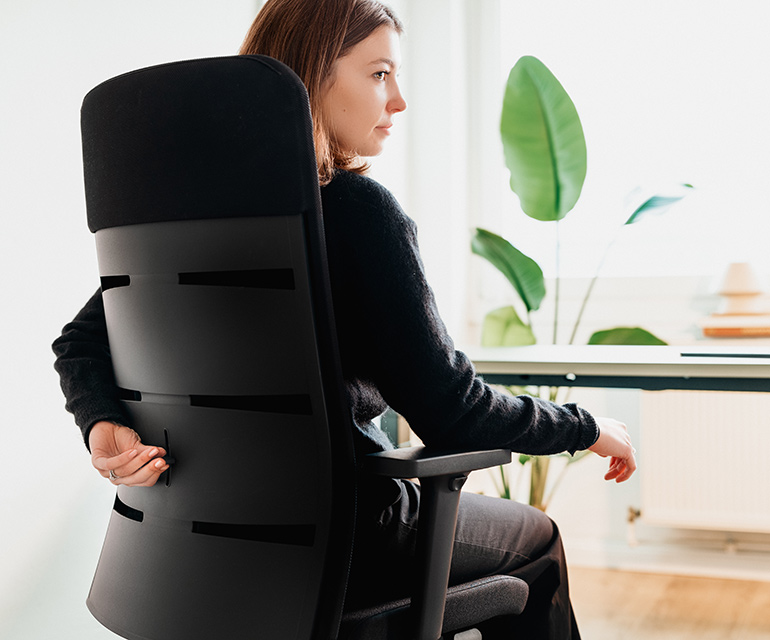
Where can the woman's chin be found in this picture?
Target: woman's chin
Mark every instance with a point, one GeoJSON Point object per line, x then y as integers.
{"type": "Point", "coordinates": [371, 151]}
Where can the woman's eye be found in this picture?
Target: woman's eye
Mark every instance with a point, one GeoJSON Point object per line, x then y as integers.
{"type": "Point", "coordinates": [380, 75]}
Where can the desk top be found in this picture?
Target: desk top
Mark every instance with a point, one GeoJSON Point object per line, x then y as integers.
{"type": "Point", "coordinates": [732, 368]}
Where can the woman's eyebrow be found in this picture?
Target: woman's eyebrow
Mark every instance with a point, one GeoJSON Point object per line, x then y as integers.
{"type": "Point", "coordinates": [387, 61]}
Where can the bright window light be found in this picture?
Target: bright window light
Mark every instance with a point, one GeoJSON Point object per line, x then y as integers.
{"type": "Point", "coordinates": [669, 92]}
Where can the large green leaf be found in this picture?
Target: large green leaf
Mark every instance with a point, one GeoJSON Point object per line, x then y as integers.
{"type": "Point", "coordinates": [657, 204]}
{"type": "Point", "coordinates": [504, 328]}
{"type": "Point", "coordinates": [543, 141]}
{"type": "Point", "coordinates": [625, 336]}
{"type": "Point", "coordinates": [521, 271]}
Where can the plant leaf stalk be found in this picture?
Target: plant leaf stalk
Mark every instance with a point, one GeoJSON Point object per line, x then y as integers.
{"type": "Point", "coordinates": [591, 288]}
{"type": "Point", "coordinates": [557, 286]}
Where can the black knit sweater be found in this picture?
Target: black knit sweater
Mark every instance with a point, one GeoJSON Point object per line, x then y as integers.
{"type": "Point", "coordinates": [395, 350]}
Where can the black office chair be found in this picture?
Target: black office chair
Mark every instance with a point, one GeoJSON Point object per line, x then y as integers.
{"type": "Point", "coordinates": [202, 190]}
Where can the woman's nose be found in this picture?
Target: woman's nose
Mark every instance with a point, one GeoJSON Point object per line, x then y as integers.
{"type": "Point", "coordinates": [397, 102]}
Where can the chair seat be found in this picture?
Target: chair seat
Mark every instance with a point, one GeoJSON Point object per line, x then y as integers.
{"type": "Point", "coordinates": [467, 604]}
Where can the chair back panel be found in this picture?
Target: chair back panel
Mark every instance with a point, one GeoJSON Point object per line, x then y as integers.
{"type": "Point", "coordinates": [195, 319]}
{"type": "Point", "coordinates": [206, 442]}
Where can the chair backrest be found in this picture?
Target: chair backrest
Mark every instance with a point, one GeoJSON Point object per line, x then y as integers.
{"type": "Point", "coordinates": [202, 190]}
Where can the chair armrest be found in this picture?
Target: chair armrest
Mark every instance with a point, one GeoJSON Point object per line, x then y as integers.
{"type": "Point", "coordinates": [442, 475]}
{"type": "Point", "coordinates": [420, 462]}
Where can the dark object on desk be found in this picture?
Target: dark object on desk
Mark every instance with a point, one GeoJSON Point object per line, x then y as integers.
{"type": "Point", "coordinates": [202, 189]}
{"type": "Point", "coordinates": [726, 355]}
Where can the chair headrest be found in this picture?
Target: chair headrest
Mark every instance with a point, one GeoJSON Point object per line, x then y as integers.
{"type": "Point", "coordinates": [210, 138]}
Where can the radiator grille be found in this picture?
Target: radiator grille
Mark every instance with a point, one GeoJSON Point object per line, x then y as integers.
{"type": "Point", "coordinates": [706, 460]}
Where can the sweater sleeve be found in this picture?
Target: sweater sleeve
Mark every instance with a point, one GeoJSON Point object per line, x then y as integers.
{"type": "Point", "coordinates": [84, 366]}
{"type": "Point", "coordinates": [390, 329]}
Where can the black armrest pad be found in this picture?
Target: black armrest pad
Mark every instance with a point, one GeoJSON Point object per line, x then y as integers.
{"type": "Point", "coordinates": [419, 462]}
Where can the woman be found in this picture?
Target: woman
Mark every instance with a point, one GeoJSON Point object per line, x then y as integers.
{"type": "Point", "coordinates": [394, 348]}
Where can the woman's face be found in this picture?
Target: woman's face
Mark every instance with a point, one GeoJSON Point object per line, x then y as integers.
{"type": "Point", "coordinates": [362, 94]}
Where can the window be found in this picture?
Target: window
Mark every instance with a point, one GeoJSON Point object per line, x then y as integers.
{"type": "Point", "coordinates": [668, 92]}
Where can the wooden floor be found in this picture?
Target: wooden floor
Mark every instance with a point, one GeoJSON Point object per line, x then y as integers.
{"type": "Point", "coordinates": [615, 605]}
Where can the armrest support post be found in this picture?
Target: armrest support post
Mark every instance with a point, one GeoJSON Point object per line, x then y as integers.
{"type": "Point", "coordinates": [439, 501]}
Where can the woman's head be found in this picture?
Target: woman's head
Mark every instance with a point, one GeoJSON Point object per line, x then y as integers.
{"type": "Point", "coordinates": [311, 36]}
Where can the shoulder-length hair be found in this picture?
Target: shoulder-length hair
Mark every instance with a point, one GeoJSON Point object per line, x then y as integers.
{"type": "Point", "coordinates": [309, 36]}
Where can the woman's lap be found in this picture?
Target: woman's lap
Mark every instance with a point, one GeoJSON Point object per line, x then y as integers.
{"type": "Point", "coordinates": [495, 536]}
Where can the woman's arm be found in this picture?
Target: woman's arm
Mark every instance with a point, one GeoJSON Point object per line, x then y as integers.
{"type": "Point", "coordinates": [85, 368]}
{"type": "Point", "coordinates": [84, 365]}
{"type": "Point", "coordinates": [391, 335]}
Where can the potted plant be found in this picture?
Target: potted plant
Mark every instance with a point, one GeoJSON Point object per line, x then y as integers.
{"type": "Point", "coordinates": [545, 152]}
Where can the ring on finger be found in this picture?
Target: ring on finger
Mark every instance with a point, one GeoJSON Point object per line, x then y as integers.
{"type": "Point", "coordinates": [113, 476]}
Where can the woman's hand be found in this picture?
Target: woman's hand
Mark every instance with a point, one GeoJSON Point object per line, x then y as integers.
{"type": "Point", "coordinates": [117, 453]}
{"type": "Point", "coordinates": [614, 441]}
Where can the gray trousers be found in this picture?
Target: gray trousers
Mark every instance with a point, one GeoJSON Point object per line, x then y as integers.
{"type": "Point", "coordinates": [493, 536]}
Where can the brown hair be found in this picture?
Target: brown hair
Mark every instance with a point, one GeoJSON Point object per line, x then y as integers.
{"type": "Point", "coordinates": [309, 36]}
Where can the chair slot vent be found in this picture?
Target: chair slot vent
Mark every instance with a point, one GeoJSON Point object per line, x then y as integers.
{"type": "Point", "coordinates": [129, 394]}
{"type": "Point", "coordinates": [296, 404]}
{"type": "Point", "coordinates": [127, 512]}
{"type": "Point", "coordinates": [250, 278]}
{"type": "Point", "coordinates": [295, 534]}
{"type": "Point", "coordinates": [112, 282]}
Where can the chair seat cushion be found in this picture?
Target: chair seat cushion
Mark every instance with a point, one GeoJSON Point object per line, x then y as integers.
{"type": "Point", "coordinates": [467, 604]}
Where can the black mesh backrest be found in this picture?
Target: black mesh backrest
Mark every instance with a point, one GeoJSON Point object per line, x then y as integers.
{"type": "Point", "coordinates": [202, 189]}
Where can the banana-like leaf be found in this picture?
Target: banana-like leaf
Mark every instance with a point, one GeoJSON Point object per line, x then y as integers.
{"type": "Point", "coordinates": [625, 336]}
{"type": "Point", "coordinates": [521, 271]}
{"type": "Point", "coordinates": [503, 328]}
{"type": "Point", "coordinates": [543, 141]}
{"type": "Point", "coordinates": [657, 204]}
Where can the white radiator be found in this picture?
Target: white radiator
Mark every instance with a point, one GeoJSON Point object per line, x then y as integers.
{"type": "Point", "coordinates": [705, 460]}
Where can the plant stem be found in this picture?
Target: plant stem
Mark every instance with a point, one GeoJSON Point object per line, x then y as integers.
{"type": "Point", "coordinates": [538, 478]}
{"type": "Point", "coordinates": [553, 393]}
{"type": "Point", "coordinates": [555, 486]}
{"type": "Point", "coordinates": [506, 492]}
{"type": "Point", "coordinates": [557, 283]}
{"type": "Point", "coordinates": [590, 289]}
{"type": "Point", "coordinates": [515, 490]}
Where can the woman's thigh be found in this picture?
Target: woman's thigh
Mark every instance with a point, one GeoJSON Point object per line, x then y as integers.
{"type": "Point", "coordinates": [496, 536]}
{"type": "Point", "coordinates": [493, 536]}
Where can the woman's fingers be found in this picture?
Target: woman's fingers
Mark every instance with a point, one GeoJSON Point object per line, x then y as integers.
{"type": "Point", "coordinates": [617, 465]}
{"type": "Point", "coordinates": [145, 476]}
{"type": "Point", "coordinates": [104, 464]}
{"type": "Point", "coordinates": [621, 469]}
{"type": "Point", "coordinates": [630, 467]}
{"type": "Point", "coordinates": [125, 466]}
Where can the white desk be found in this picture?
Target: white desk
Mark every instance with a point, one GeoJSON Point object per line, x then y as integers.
{"type": "Point", "coordinates": [710, 368]}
